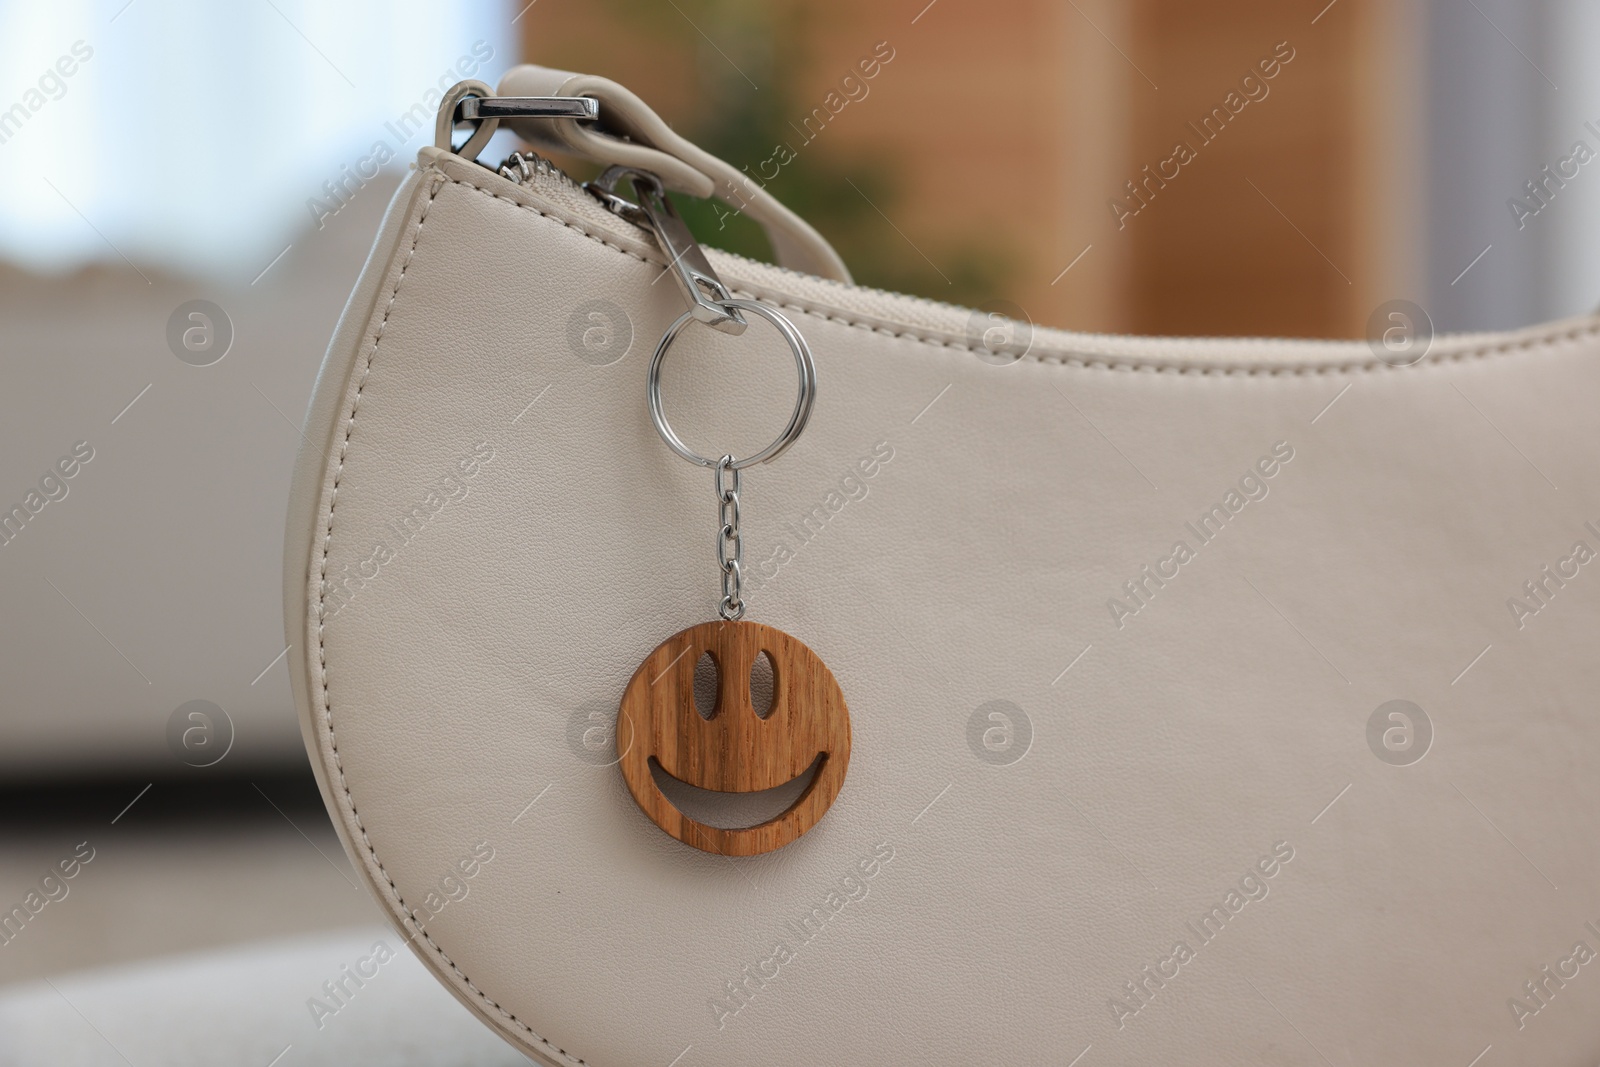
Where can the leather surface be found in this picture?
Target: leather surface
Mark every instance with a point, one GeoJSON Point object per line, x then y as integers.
{"type": "Point", "coordinates": [984, 889]}
{"type": "Point", "coordinates": [632, 134]}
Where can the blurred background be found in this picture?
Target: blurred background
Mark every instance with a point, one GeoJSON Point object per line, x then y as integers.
{"type": "Point", "coordinates": [1276, 167]}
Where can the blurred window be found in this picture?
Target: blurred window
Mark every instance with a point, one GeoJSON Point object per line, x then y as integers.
{"type": "Point", "coordinates": [201, 136]}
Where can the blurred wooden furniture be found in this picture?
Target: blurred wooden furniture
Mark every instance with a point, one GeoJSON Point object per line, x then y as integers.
{"type": "Point", "coordinates": [1012, 126]}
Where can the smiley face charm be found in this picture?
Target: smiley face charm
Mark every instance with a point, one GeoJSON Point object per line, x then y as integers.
{"type": "Point", "coordinates": [734, 750]}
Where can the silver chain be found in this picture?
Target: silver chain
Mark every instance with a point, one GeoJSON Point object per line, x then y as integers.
{"type": "Point", "coordinates": [730, 547]}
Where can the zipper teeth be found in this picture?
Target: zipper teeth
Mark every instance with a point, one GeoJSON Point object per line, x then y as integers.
{"type": "Point", "coordinates": [527, 166]}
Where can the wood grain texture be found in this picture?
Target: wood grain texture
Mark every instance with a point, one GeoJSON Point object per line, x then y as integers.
{"type": "Point", "coordinates": [735, 750]}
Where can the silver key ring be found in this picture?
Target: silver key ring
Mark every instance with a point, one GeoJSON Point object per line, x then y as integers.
{"type": "Point", "coordinates": [805, 396]}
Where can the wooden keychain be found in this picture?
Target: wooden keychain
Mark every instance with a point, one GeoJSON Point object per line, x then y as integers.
{"type": "Point", "coordinates": [734, 750]}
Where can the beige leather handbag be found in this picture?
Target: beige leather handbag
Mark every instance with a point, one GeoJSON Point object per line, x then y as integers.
{"type": "Point", "coordinates": [1209, 701]}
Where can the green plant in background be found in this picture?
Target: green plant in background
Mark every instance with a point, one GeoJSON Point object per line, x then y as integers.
{"type": "Point", "coordinates": [749, 60]}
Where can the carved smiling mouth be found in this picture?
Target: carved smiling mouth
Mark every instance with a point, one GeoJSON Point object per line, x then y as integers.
{"type": "Point", "coordinates": [736, 810]}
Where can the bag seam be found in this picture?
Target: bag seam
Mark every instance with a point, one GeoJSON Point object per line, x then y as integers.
{"type": "Point", "coordinates": [1065, 359]}
{"type": "Point", "coordinates": [1061, 359]}
{"type": "Point", "coordinates": [348, 798]}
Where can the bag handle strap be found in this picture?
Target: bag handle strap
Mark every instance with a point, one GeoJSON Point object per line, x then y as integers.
{"type": "Point", "coordinates": [630, 134]}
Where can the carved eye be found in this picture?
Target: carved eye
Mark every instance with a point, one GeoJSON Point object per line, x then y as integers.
{"type": "Point", "coordinates": [705, 685]}
{"type": "Point", "coordinates": [763, 684]}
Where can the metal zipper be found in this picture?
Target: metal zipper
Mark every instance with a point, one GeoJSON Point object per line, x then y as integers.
{"type": "Point", "coordinates": [709, 299]}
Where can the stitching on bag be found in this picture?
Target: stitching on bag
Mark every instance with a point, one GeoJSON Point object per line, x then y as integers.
{"type": "Point", "coordinates": [1129, 366]}
{"type": "Point", "coordinates": [327, 706]}
{"type": "Point", "coordinates": [570, 224]}
{"type": "Point", "coordinates": [441, 180]}
{"type": "Point", "coordinates": [1082, 362]}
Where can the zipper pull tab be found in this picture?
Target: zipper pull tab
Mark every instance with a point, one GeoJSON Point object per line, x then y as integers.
{"type": "Point", "coordinates": [708, 298]}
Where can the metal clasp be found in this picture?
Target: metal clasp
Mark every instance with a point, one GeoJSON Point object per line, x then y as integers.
{"type": "Point", "coordinates": [474, 108]}
{"type": "Point", "coordinates": [710, 301]}
{"type": "Point", "coordinates": [474, 102]}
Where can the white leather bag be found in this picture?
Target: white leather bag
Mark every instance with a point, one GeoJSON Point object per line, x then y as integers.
{"type": "Point", "coordinates": [1213, 701]}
